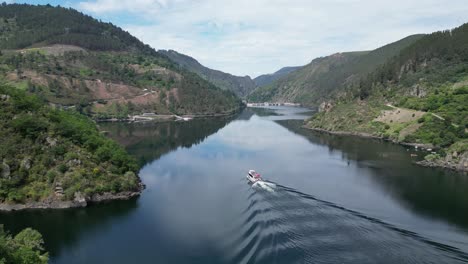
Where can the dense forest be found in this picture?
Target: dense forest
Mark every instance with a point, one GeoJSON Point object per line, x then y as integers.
{"type": "Point", "coordinates": [54, 154]}
{"type": "Point", "coordinates": [23, 25]}
{"type": "Point", "coordinates": [97, 67]}
{"type": "Point", "coordinates": [26, 247]}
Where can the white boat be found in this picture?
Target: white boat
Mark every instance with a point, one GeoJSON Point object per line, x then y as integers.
{"type": "Point", "coordinates": [253, 176]}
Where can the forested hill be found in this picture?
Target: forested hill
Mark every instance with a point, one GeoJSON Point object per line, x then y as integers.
{"type": "Point", "coordinates": [71, 59]}
{"type": "Point", "coordinates": [49, 155]}
{"type": "Point", "coordinates": [241, 86]}
{"type": "Point", "coordinates": [24, 25]}
{"type": "Point", "coordinates": [432, 60]}
{"type": "Point", "coordinates": [327, 76]}
{"type": "Point", "coordinates": [266, 79]}
{"type": "Point", "coordinates": [418, 96]}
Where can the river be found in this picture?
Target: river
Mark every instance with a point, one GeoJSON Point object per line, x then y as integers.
{"type": "Point", "coordinates": [337, 199]}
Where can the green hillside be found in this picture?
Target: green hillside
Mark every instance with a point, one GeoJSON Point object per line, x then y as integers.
{"type": "Point", "coordinates": [266, 79]}
{"type": "Point", "coordinates": [97, 67]}
{"type": "Point", "coordinates": [328, 77]}
{"type": "Point", "coordinates": [241, 86]}
{"type": "Point", "coordinates": [52, 155]}
{"type": "Point", "coordinates": [24, 25]}
{"type": "Point", "coordinates": [418, 96]}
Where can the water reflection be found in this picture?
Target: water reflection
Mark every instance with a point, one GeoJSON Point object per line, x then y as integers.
{"type": "Point", "coordinates": [339, 200]}
{"type": "Point", "coordinates": [436, 193]}
{"type": "Point", "coordinates": [63, 228]}
{"type": "Point", "coordinates": [149, 141]}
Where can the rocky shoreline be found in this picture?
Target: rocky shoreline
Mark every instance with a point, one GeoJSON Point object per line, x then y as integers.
{"type": "Point", "coordinates": [168, 117]}
{"type": "Point", "coordinates": [78, 201]}
{"type": "Point", "coordinates": [448, 163]}
{"type": "Point", "coordinates": [445, 163]}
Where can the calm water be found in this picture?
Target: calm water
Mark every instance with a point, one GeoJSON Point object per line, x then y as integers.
{"type": "Point", "coordinates": [337, 200]}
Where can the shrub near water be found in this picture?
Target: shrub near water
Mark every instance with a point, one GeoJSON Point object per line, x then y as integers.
{"type": "Point", "coordinates": [42, 148]}
{"type": "Point", "coordinates": [26, 247]}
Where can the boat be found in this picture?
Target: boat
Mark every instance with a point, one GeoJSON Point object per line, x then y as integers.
{"type": "Point", "coordinates": [253, 176]}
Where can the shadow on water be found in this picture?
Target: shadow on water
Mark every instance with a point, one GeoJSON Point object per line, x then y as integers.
{"type": "Point", "coordinates": [63, 228]}
{"type": "Point", "coordinates": [437, 193]}
{"type": "Point", "coordinates": [149, 141]}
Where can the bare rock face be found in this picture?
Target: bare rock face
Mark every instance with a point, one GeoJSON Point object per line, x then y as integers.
{"type": "Point", "coordinates": [463, 162]}
{"type": "Point", "coordinates": [325, 107]}
{"type": "Point", "coordinates": [79, 199]}
{"type": "Point", "coordinates": [4, 97]}
{"type": "Point", "coordinates": [51, 141]}
{"type": "Point", "coordinates": [459, 163]}
{"type": "Point", "coordinates": [26, 163]}
{"type": "Point", "coordinates": [5, 170]}
{"type": "Point", "coordinates": [74, 162]}
{"type": "Point", "coordinates": [418, 91]}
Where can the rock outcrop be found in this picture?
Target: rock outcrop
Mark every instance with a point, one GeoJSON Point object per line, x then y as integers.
{"type": "Point", "coordinates": [55, 202]}
{"type": "Point", "coordinates": [454, 161]}
{"type": "Point", "coordinates": [5, 170]}
{"type": "Point", "coordinates": [325, 106]}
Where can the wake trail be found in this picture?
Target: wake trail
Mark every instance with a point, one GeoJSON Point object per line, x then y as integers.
{"type": "Point", "coordinates": [281, 224]}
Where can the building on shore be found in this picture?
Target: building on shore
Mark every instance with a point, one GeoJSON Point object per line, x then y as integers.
{"type": "Point", "coordinates": [272, 104]}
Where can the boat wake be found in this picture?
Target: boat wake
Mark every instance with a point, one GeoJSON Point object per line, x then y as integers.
{"type": "Point", "coordinates": [264, 185]}
{"type": "Point", "coordinates": [283, 225]}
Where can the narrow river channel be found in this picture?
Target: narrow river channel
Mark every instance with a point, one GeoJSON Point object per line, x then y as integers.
{"type": "Point", "coordinates": [338, 199]}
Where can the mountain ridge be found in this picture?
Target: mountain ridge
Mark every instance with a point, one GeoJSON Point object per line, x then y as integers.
{"type": "Point", "coordinates": [416, 98]}
{"type": "Point", "coordinates": [111, 75]}
{"type": "Point", "coordinates": [240, 85]}
{"type": "Point", "coordinates": [324, 76]}
{"type": "Point", "coordinates": [266, 79]}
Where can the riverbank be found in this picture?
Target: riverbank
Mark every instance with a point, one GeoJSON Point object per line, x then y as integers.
{"type": "Point", "coordinates": [458, 162]}
{"type": "Point", "coordinates": [79, 201]}
{"type": "Point", "coordinates": [151, 117]}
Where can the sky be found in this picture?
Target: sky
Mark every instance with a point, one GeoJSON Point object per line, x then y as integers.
{"type": "Point", "coordinates": [253, 37]}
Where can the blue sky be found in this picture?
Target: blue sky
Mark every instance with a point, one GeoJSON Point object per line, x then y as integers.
{"type": "Point", "coordinates": [252, 37]}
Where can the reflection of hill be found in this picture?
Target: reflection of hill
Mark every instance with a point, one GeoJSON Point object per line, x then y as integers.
{"type": "Point", "coordinates": [263, 111]}
{"type": "Point", "coordinates": [149, 141]}
{"type": "Point", "coordinates": [63, 228]}
{"type": "Point", "coordinates": [436, 193]}
{"type": "Point", "coordinates": [246, 114]}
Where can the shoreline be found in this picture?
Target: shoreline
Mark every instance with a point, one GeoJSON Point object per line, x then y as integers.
{"type": "Point", "coordinates": [78, 202]}
{"type": "Point", "coordinates": [441, 163]}
{"type": "Point", "coordinates": [166, 118]}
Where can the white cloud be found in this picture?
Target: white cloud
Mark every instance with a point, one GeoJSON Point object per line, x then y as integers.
{"type": "Point", "coordinates": [251, 37]}
{"type": "Point", "coordinates": [104, 6]}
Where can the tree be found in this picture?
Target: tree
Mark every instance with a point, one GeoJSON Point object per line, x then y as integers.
{"type": "Point", "coordinates": [26, 247]}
